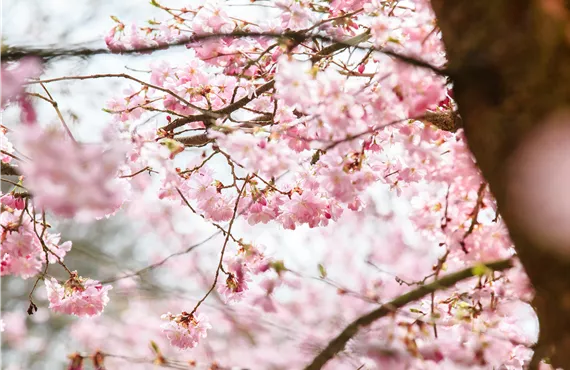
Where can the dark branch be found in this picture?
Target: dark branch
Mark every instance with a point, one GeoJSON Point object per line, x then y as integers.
{"type": "Point", "coordinates": [9, 170]}
{"type": "Point", "coordinates": [338, 343]}
{"type": "Point", "coordinates": [195, 141]}
{"type": "Point", "coordinates": [448, 120]}
{"type": "Point", "coordinates": [47, 53]}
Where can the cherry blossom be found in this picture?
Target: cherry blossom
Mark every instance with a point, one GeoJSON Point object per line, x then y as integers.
{"type": "Point", "coordinates": [13, 78]}
{"type": "Point", "coordinates": [77, 296]}
{"type": "Point", "coordinates": [185, 330]}
{"type": "Point", "coordinates": [236, 280]}
{"type": "Point", "coordinates": [86, 186]}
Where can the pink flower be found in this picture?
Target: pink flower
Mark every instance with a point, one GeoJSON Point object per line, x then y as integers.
{"type": "Point", "coordinates": [160, 72]}
{"type": "Point", "coordinates": [339, 184]}
{"type": "Point", "coordinates": [212, 18]}
{"type": "Point", "coordinates": [260, 213]}
{"type": "Point", "coordinates": [58, 251]}
{"type": "Point", "coordinates": [15, 326]}
{"type": "Point", "coordinates": [68, 178]}
{"type": "Point", "coordinates": [293, 82]}
{"type": "Point", "coordinates": [432, 95]}
{"type": "Point", "coordinates": [185, 330]}
{"type": "Point", "coordinates": [265, 301]}
{"type": "Point", "coordinates": [14, 76]}
{"type": "Point", "coordinates": [77, 296]}
{"type": "Point", "coordinates": [236, 282]}
{"type": "Point", "coordinates": [302, 208]}
{"type": "Point", "coordinates": [21, 251]}
{"type": "Point", "coordinates": [295, 16]}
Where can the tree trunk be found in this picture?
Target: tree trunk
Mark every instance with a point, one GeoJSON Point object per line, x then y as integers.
{"type": "Point", "coordinates": [509, 61]}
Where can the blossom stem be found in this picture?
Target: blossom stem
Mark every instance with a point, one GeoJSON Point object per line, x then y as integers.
{"type": "Point", "coordinates": [223, 247]}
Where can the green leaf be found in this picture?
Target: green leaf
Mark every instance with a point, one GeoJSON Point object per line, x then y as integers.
{"type": "Point", "coordinates": [480, 270]}
{"type": "Point", "coordinates": [154, 347]}
{"type": "Point", "coordinates": [322, 271]}
{"type": "Point", "coordinates": [316, 156]}
{"type": "Point", "coordinates": [394, 40]}
{"type": "Point", "coordinates": [278, 266]}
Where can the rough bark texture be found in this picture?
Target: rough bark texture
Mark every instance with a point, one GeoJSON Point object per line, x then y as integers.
{"type": "Point", "coordinates": [510, 64]}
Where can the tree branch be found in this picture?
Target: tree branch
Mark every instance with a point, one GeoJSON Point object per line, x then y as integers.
{"type": "Point", "coordinates": [195, 141]}
{"type": "Point", "coordinates": [16, 53]}
{"type": "Point", "coordinates": [9, 170]}
{"type": "Point", "coordinates": [338, 343]}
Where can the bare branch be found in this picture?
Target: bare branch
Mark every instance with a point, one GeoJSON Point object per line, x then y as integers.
{"type": "Point", "coordinates": [9, 170]}
{"type": "Point", "coordinates": [15, 53]}
{"type": "Point", "coordinates": [128, 77]}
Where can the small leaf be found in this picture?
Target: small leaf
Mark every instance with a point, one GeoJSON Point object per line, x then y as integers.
{"type": "Point", "coordinates": [322, 271]}
{"type": "Point", "coordinates": [154, 347]}
{"type": "Point", "coordinates": [394, 40]}
{"type": "Point", "coordinates": [278, 266]}
{"type": "Point", "coordinates": [480, 270]}
{"type": "Point", "coordinates": [316, 156]}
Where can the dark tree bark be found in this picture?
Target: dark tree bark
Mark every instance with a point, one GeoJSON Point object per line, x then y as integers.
{"type": "Point", "coordinates": [509, 61]}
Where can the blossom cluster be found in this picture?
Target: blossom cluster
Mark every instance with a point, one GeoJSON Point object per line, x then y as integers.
{"type": "Point", "coordinates": [70, 179]}
{"type": "Point", "coordinates": [77, 296]}
{"type": "Point", "coordinates": [185, 329]}
{"type": "Point", "coordinates": [23, 252]}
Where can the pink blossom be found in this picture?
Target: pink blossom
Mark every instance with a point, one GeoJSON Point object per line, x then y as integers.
{"type": "Point", "coordinates": [236, 281]}
{"type": "Point", "coordinates": [14, 328]}
{"type": "Point", "coordinates": [68, 178]}
{"type": "Point", "coordinates": [160, 73]}
{"type": "Point", "coordinates": [304, 208]}
{"type": "Point", "coordinates": [212, 18]}
{"type": "Point", "coordinates": [185, 330]}
{"type": "Point", "coordinates": [339, 184]}
{"type": "Point", "coordinates": [432, 95]}
{"type": "Point", "coordinates": [14, 76]}
{"type": "Point", "coordinates": [265, 300]}
{"type": "Point", "coordinates": [21, 251]}
{"type": "Point", "coordinates": [77, 296]}
{"type": "Point", "coordinates": [295, 15]}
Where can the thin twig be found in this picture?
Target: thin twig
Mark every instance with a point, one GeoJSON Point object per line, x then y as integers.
{"type": "Point", "coordinates": [474, 215]}
{"type": "Point", "coordinates": [60, 116]}
{"type": "Point", "coordinates": [223, 248]}
{"type": "Point", "coordinates": [163, 261]}
{"type": "Point", "coordinates": [128, 77]}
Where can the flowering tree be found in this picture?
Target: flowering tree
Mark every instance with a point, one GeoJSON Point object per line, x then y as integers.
{"type": "Point", "coordinates": [298, 118]}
